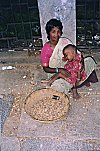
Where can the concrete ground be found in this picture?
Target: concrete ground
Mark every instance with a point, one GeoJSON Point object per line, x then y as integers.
{"type": "Point", "coordinates": [79, 130]}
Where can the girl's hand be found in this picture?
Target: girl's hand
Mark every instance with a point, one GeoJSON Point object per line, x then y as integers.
{"type": "Point", "coordinates": [65, 72]}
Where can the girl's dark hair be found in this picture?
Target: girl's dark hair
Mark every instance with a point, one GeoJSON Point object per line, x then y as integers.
{"type": "Point", "coordinates": [51, 24]}
{"type": "Point", "coordinates": [70, 46]}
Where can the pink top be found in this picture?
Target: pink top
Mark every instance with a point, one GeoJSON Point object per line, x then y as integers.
{"type": "Point", "coordinates": [73, 67]}
{"type": "Point", "coordinates": [46, 53]}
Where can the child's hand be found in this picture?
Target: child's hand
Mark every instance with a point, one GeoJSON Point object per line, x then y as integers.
{"type": "Point", "coordinates": [78, 82]}
{"type": "Point", "coordinates": [78, 79]}
{"type": "Point", "coordinates": [64, 59]}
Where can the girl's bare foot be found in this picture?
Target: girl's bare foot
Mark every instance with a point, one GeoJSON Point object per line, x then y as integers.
{"type": "Point", "coordinates": [88, 84]}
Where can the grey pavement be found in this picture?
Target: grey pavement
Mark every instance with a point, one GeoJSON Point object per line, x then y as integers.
{"type": "Point", "coordinates": [79, 130]}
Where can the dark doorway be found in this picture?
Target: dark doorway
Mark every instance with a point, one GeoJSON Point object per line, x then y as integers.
{"type": "Point", "coordinates": [88, 23]}
{"type": "Point", "coordinates": [19, 24]}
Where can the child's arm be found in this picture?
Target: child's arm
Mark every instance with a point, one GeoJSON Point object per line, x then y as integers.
{"type": "Point", "coordinates": [79, 76]}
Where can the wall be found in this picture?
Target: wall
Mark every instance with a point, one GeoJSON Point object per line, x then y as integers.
{"type": "Point", "coordinates": [65, 10]}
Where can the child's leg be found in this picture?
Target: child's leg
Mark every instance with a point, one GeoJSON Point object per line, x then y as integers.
{"type": "Point", "coordinates": [75, 93]}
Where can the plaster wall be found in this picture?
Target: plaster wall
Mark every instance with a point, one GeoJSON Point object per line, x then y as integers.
{"type": "Point", "coordinates": [65, 10]}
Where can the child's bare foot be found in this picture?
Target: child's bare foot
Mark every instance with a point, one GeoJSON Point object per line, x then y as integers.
{"type": "Point", "coordinates": [76, 96]}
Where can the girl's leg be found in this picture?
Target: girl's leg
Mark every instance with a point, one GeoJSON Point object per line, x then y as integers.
{"type": "Point", "coordinates": [90, 66]}
{"type": "Point", "coordinates": [91, 79]}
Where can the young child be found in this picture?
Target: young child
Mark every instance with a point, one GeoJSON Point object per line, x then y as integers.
{"type": "Point", "coordinates": [74, 66]}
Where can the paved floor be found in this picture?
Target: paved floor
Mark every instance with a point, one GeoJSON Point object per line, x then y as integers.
{"type": "Point", "coordinates": [79, 130]}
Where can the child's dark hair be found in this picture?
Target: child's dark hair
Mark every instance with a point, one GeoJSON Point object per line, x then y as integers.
{"type": "Point", "coordinates": [51, 24]}
{"type": "Point", "coordinates": [70, 46]}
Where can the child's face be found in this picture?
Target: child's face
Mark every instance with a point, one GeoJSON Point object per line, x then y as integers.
{"type": "Point", "coordinates": [69, 54]}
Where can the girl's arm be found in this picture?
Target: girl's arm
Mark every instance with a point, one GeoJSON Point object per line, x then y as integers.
{"type": "Point", "coordinates": [54, 70]}
{"type": "Point", "coordinates": [57, 76]}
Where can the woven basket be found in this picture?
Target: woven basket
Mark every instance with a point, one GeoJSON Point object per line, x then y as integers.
{"type": "Point", "coordinates": [46, 105]}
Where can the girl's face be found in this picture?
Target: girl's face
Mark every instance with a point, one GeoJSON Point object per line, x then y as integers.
{"type": "Point", "coordinates": [55, 33]}
{"type": "Point", "coordinates": [69, 54]}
